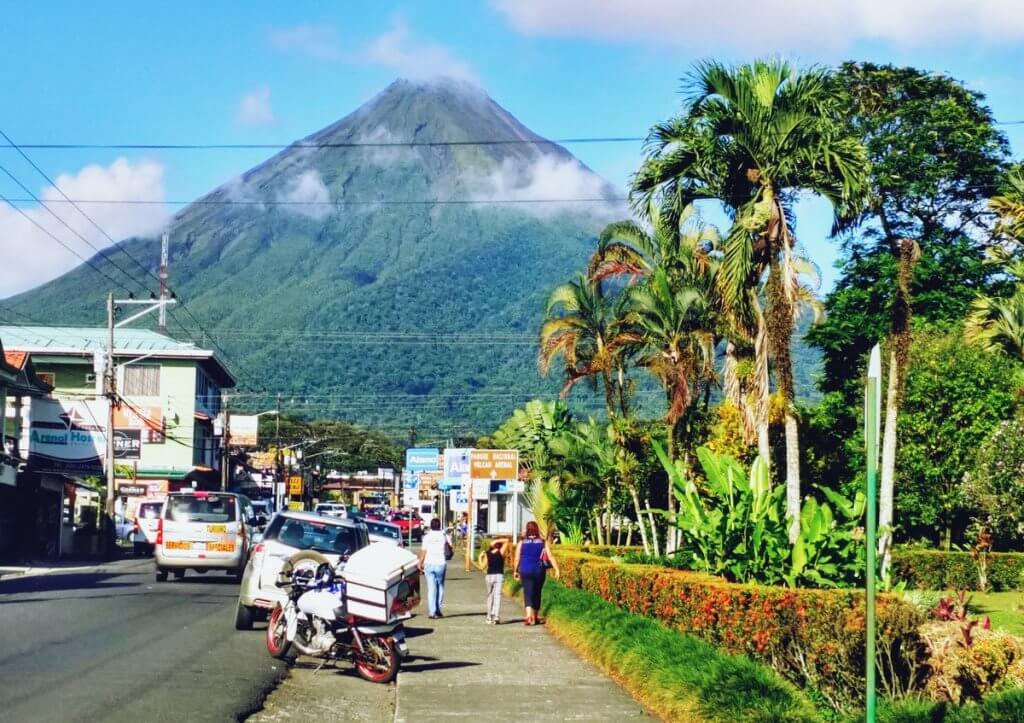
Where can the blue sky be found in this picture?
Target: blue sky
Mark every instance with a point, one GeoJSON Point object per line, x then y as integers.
{"type": "Point", "coordinates": [201, 72]}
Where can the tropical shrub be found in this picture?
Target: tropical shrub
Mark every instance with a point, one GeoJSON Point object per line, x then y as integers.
{"type": "Point", "coordinates": [967, 660]}
{"type": "Point", "coordinates": [814, 638]}
{"type": "Point", "coordinates": [735, 526]}
{"type": "Point", "coordinates": [941, 570]}
{"type": "Point", "coordinates": [994, 489]}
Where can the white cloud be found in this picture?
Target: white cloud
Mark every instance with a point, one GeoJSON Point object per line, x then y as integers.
{"type": "Point", "coordinates": [309, 194]}
{"type": "Point", "coordinates": [548, 184]}
{"type": "Point", "coordinates": [316, 41]}
{"type": "Point", "coordinates": [38, 258]}
{"type": "Point", "coordinates": [254, 108]}
{"type": "Point", "coordinates": [772, 25]}
{"type": "Point", "coordinates": [410, 57]}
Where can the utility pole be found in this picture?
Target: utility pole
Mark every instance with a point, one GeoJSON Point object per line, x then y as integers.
{"type": "Point", "coordinates": [162, 325]}
{"type": "Point", "coordinates": [110, 387]}
{"type": "Point", "coordinates": [225, 464]}
{"type": "Point", "coordinates": [278, 472]}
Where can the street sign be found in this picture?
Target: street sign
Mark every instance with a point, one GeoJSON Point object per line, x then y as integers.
{"type": "Point", "coordinates": [295, 485]}
{"type": "Point", "coordinates": [456, 469]}
{"type": "Point", "coordinates": [127, 443]}
{"type": "Point", "coordinates": [481, 489]}
{"type": "Point", "coordinates": [459, 501]}
{"type": "Point", "coordinates": [494, 464]}
{"type": "Point", "coordinates": [411, 489]}
{"type": "Point", "coordinates": [515, 486]}
{"type": "Point", "coordinates": [244, 429]}
{"type": "Point", "coordinates": [422, 459]}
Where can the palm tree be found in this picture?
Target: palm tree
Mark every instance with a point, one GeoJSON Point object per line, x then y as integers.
{"type": "Point", "coordinates": [997, 325]}
{"type": "Point", "coordinates": [753, 137]}
{"type": "Point", "coordinates": [586, 329]}
{"type": "Point", "coordinates": [1009, 204]}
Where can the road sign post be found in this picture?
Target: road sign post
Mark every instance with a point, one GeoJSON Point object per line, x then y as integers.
{"type": "Point", "coordinates": [488, 465]}
{"type": "Point", "coordinates": [872, 414]}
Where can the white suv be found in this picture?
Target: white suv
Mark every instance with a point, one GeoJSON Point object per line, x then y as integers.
{"type": "Point", "coordinates": [203, 531]}
{"type": "Point", "coordinates": [288, 533]}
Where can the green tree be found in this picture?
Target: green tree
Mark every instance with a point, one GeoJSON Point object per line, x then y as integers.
{"type": "Point", "coordinates": [994, 489]}
{"type": "Point", "coordinates": [935, 156]}
{"type": "Point", "coordinates": [956, 396]}
{"type": "Point", "coordinates": [586, 328]}
{"type": "Point", "coordinates": [753, 137]}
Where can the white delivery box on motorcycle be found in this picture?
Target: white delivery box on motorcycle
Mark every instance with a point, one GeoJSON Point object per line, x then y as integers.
{"type": "Point", "coordinates": [381, 582]}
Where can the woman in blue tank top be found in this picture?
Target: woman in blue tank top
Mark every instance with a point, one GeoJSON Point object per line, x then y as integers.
{"type": "Point", "coordinates": [533, 556]}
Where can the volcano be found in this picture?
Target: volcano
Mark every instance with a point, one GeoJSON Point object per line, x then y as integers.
{"type": "Point", "coordinates": [390, 269]}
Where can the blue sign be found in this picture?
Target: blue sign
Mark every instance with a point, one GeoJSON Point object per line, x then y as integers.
{"type": "Point", "coordinates": [421, 459]}
{"type": "Point", "coordinates": [456, 469]}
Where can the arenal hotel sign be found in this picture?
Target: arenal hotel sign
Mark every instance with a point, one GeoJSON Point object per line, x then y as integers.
{"type": "Point", "coordinates": [67, 437]}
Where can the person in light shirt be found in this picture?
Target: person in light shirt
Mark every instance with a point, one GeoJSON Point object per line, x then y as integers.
{"type": "Point", "coordinates": [435, 550]}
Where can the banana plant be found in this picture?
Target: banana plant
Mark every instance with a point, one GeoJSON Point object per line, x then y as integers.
{"type": "Point", "coordinates": [734, 524]}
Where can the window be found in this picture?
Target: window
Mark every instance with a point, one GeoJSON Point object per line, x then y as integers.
{"type": "Point", "coordinates": [142, 380]}
{"type": "Point", "coordinates": [47, 378]}
{"type": "Point", "coordinates": [502, 509]}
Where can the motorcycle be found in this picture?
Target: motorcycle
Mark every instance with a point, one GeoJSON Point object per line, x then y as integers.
{"type": "Point", "coordinates": [314, 621]}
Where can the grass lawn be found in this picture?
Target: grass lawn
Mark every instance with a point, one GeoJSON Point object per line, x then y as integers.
{"type": "Point", "coordinates": [1004, 608]}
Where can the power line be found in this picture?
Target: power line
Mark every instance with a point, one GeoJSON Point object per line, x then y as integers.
{"type": "Point", "coordinates": [338, 203]}
{"type": "Point", "coordinates": [87, 262]}
{"type": "Point", "coordinates": [69, 227]}
{"type": "Point", "coordinates": [330, 144]}
{"type": "Point", "coordinates": [122, 248]}
{"type": "Point", "coordinates": [359, 144]}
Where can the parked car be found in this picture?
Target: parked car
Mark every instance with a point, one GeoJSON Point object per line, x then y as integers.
{"type": "Point", "coordinates": [290, 532]}
{"type": "Point", "coordinates": [332, 509]}
{"type": "Point", "coordinates": [406, 520]}
{"type": "Point", "coordinates": [203, 531]}
{"type": "Point", "coordinates": [147, 519]}
{"type": "Point", "coordinates": [124, 528]}
{"type": "Point", "coordinates": [384, 532]}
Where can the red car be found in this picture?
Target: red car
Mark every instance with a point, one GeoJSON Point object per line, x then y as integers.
{"type": "Point", "coordinates": [406, 520]}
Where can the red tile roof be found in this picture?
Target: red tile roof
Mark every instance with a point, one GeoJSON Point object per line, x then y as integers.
{"type": "Point", "coordinates": [16, 359]}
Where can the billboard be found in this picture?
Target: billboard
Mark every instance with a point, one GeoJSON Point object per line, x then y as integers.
{"type": "Point", "coordinates": [422, 459]}
{"type": "Point", "coordinates": [127, 444]}
{"type": "Point", "coordinates": [149, 419]}
{"type": "Point", "coordinates": [67, 437]}
{"type": "Point", "coordinates": [456, 469]}
{"type": "Point", "coordinates": [243, 430]}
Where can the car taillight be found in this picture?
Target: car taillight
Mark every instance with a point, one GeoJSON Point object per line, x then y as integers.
{"type": "Point", "coordinates": [135, 525]}
{"type": "Point", "coordinates": [160, 531]}
{"type": "Point", "coordinates": [258, 548]}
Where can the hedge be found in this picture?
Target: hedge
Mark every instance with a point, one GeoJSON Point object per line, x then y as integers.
{"type": "Point", "coordinates": [676, 676]}
{"type": "Point", "coordinates": [814, 638]}
{"type": "Point", "coordinates": [941, 570]}
{"type": "Point", "coordinates": [1003, 707]}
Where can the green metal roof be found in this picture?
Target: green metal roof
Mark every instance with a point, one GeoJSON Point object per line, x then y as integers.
{"type": "Point", "coordinates": [86, 338]}
{"type": "Point", "coordinates": [78, 341]}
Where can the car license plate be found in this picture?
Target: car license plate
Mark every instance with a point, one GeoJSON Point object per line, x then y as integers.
{"type": "Point", "coordinates": [216, 529]}
{"type": "Point", "coordinates": [220, 547]}
{"type": "Point", "coordinates": [174, 545]}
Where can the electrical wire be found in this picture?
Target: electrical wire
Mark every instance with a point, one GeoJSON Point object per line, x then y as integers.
{"type": "Point", "coordinates": [337, 203]}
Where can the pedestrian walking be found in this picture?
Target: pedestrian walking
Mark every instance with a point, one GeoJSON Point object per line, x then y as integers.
{"type": "Point", "coordinates": [533, 558]}
{"type": "Point", "coordinates": [435, 551]}
{"type": "Point", "coordinates": [493, 561]}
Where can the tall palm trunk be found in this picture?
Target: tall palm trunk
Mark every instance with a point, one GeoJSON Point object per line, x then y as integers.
{"type": "Point", "coordinates": [763, 391]}
{"type": "Point", "coordinates": [640, 521]}
{"type": "Point", "coordinates": [780, 338]}
{"type": "Point", "coordinates": [899, 352]}
{"type": "Point", "coordinates": [670, 541]}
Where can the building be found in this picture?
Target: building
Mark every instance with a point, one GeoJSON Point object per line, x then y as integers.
{"type": "Point", "coordinates": [18, 383]}
{"type": "Point", "coordinates": [170, 394]}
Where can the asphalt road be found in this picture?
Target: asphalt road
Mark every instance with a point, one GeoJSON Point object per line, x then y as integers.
{"type": "Point", "coordinates": [109, 643]}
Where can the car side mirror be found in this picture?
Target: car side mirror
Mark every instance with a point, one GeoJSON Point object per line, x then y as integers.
{"type": "Point", "coordinates": [261, 520]}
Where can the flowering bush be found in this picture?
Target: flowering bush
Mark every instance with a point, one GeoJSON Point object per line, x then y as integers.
{"type": "Point", "coordinates": [966, 667]}
{"type": "Point", "coordinates": [995, 487]}
{"type": "Point", "coordinates": [815, 638]}
{"type": "Point", "coordinates": [940, 570]}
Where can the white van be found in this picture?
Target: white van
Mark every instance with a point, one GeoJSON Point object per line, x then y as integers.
{"type": "Point", "coordinates": [203, 531]}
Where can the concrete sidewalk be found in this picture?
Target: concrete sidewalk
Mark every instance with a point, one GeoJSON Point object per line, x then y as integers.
{"type": "Point", "coordinates": [466, 669]}
{"type": "Point", "coordinates": [460, 668]}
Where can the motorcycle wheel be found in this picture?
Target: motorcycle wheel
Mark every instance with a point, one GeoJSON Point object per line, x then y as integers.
{"type": "Point", "coordinates": [378, 663]}
{"type": "Point", "coordinates": [277, 634]}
